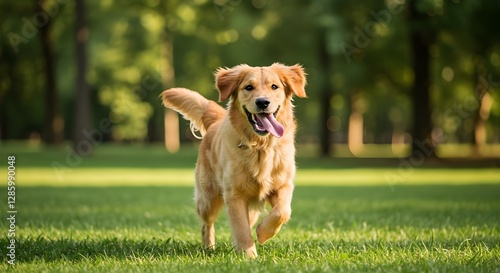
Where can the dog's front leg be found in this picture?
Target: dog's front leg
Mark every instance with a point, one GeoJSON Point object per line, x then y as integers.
{"type": "Point", "coordinates": [281, 201]}
{"type": "Point", "coordinates": [237, 209]}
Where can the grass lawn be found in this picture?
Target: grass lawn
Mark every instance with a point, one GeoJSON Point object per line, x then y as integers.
{"type": "Point", "coordinates": [130, 209]}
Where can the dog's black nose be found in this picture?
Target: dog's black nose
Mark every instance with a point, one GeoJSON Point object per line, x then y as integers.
{"type": "Point", "coordinates": [262, 103]}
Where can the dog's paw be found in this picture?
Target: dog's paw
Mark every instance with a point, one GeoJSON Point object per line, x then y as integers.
{"type": "Point", "coordinates": [264, 234]}
{"type": "Point", "coordinates": [271, 225]}
{"type": "Point", "coordinates": [250, 252]}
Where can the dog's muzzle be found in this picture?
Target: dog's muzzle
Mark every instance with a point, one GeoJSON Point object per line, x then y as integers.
{"type": "Point", "coordinates": [264, 123]}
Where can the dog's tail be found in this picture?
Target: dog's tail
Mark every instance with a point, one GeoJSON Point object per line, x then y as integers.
{"type": "Point", "coordinates": [194, 107]}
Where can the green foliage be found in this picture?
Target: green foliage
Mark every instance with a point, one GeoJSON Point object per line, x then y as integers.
{"type": "Point", "coordinates": [129, 114]}
{"type": "Point", "coordinates": [366, 42]}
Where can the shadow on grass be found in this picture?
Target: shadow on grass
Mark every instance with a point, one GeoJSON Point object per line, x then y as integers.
{"type": "Point", "coordinates": [46, 249]}
{"type": "Point", "coordinates": [339, 252]}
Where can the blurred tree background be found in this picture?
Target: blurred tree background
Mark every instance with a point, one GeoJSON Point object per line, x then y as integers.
{"type": "Point", "coordinates": [412, 75]}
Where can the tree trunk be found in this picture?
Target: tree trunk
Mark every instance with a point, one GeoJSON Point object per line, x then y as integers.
{"type": "Point", "coordinates": [421, 39]}
{"type": "Point", "coordinates": [152, 84]}
{"type": "Point", "coordinates": [356, 124]}
{"type": "Point", "coordinates": [485, 102]}
{"type": "Point", "coordinates": [53, 123]}
{"type": "Point", "coordinates": [11, 98]}
{"type": "Point", "coordinates": [171, 118]}
{"type": "Point", "coordinates": [81, 144]}
{"type": "Point", "coordinates": [156, 130]}
{"type": "Point", "coordinates": [326, 95]}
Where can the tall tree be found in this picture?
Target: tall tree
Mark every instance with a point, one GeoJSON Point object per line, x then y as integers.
{"type": "Point", "coordinates": [171, 118]}
{"type": "Point", "coordinates": [421, 38]}
{"type": "Point", "coordinates": [82, 120]}
{"type": "Point", "coordinates": [53, 124]}
{"type": "Point", "coordinates": [172, 137]}
{"type": "Point", "coordinates": [483, 44]}
{"type": "Point", "coordinates": [326, 94]}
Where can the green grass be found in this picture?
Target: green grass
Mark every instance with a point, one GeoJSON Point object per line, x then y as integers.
{"type": "Point", "coordinates": [131, 210]}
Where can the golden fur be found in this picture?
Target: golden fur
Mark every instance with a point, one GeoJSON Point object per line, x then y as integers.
{"type": "Point", "coordinates": [237, 166]}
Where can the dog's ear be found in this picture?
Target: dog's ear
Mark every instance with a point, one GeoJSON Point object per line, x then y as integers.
{"type": "Point", "coordinates": [227, 80]}
{"type": "Point", "coordinates": [293, 77]}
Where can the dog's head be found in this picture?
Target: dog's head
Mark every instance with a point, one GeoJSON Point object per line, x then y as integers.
{"type": "Point", "coordinates": [261, 92]}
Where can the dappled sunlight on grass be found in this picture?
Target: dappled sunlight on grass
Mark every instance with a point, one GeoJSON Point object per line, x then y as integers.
{"type": "Point", "coordinates": [395, 176]}
{"type": "Point", "coordinates": [104, 177]}
{"type": "Point", "coordinates": [141, 165]}
{"type": "Point", "coordinates": [390, 177]}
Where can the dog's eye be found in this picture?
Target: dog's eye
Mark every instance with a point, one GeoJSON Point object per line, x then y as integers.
{"type": "Point", "coordinates": [274, 87]}
{"type": "Point", "coordinates": [249, 87]}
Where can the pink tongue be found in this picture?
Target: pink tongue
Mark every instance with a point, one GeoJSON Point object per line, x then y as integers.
{"type": "Point", "coordinates": [271, 124]}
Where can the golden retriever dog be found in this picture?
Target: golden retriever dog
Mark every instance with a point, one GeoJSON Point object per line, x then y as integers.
{"type": "Point", "coordinates": [247, 155]}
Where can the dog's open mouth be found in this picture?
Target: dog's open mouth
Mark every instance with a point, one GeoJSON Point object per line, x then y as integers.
{"type": "Point", "coordinates": [264, 123]}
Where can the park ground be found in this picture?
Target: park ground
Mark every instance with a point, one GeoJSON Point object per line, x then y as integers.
{"type": "Point", "coordinates": [129, 208]}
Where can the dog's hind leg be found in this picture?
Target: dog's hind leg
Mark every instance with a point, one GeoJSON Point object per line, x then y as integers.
{"type": "Point", "coordinates": [207, 209]}
{"type": "Point", "coordinates": [253, 216]}
{"type": "Point", "coordinates": [208, 204]}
